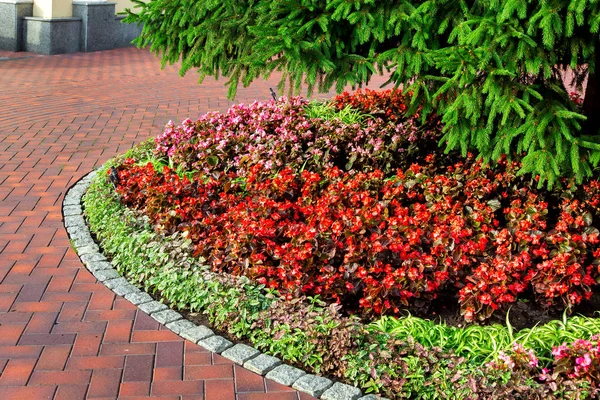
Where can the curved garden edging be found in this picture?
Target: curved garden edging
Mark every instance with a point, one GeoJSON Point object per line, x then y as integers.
{"type": "Point", "coordinates": [249, 357]}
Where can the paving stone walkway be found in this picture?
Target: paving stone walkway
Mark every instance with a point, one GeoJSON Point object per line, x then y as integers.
{"type": "Point", "coordinates": [64, 335]}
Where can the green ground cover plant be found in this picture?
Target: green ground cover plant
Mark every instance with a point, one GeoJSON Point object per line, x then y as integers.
{"type": "Point", "coordinates": [296, 251]}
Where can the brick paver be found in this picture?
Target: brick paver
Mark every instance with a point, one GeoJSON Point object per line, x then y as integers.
{"type": "Point", "coordinates": [62, 334]}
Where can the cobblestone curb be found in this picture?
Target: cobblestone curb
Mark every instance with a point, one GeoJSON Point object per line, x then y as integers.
{"type": "Point", "coordinates": [250, 358]}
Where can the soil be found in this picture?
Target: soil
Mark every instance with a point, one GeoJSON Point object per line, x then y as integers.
{"type": "Point", "coordinates": [521, 315]}
{"type": "Point", "coordinates": [201, 319]}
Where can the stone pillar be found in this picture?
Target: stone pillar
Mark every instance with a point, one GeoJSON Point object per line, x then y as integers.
{"type": "Point", "coordinates": [52, 9]}
{"type": "Point", "coordinates": [47, 27]}
{"type": "Point", "coordinates": [52, 36]}
{"type": "Point", "coordinates": [99, 25]}
{"type": "Point", "coordinates": [12, 13]}
{"type": "Point", "coordinates": [122, 5]}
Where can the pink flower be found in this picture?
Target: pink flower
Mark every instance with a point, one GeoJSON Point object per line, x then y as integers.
{"type": "Point", "coordinates": [544, 375]}
{"type": "Point", "coordinates": [507, 360]}
{"type": "Point", "coordinates": [560, 351]}
{"type": "Point", "coordinates": [584, 361]}
{"type": "Point", "coordinates": [533, 360]}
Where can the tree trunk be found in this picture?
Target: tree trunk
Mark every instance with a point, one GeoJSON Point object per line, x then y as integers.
{"type": "Point", "coordinates": [591, 102]}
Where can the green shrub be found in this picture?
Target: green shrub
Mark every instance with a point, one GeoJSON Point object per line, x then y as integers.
{"type": "Point", "coordinates": [492, 69]}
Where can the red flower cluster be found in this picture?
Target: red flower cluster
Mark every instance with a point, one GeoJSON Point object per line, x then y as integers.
{"type": "Point", "coordinates": [387, 104]}
{"type": "Point", "coordinates": [380, 244]}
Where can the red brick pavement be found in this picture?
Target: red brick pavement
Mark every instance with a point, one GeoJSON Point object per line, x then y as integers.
{"type": "Point", "coordinates": [64, 335]}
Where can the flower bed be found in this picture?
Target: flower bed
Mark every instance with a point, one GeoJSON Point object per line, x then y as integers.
{"type": "Point", "coordinates": [355, 206]}
{"type": "Point", "coordinates": [289, 134]}
{"type": "Point", "coordinates": [377, 241]}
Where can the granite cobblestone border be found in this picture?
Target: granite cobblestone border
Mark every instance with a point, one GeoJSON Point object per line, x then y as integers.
{"type": "Point", "coordinates": [247, 356]}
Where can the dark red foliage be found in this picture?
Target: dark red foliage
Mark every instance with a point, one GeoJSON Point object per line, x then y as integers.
{"type": "Point", "coordinates": [278, 134]}
{"type": "Point", "coordinates": [378, 244]}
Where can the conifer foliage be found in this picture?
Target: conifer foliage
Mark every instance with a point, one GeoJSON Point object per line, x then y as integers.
{"type": "Point", "coordinates": [491, 69]}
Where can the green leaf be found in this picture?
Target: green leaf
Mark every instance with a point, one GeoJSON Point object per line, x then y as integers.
{"type": "Point", "coordinates": [212, 161]}
{"type": "Point", "coordinates": [575, 160]}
